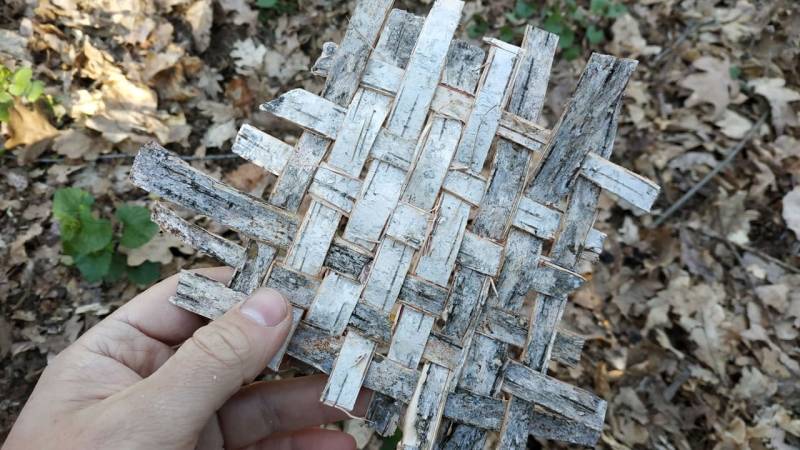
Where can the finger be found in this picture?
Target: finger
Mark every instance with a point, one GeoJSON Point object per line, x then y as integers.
{"type": "Point", "coordinates": [311, 439]}
{"type": "Point", "coordinates": [219, 358]}
{"type": "Point", "coordinates": [264, 408]}
{"type": "Point", "coordinates": [153, 315]}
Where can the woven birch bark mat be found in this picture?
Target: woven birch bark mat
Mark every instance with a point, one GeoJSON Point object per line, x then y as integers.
{"type": "Point", "coordinates": [425, 229]}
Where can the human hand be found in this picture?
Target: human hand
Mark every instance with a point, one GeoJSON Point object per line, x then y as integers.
{"type": "Point", "coordinates": [123, 384]}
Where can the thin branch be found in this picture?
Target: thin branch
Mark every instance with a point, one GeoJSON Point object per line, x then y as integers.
{"type": "Point", "coordinates": [113, 156]}
{"type": "Point", "coordinates": [722, 164]}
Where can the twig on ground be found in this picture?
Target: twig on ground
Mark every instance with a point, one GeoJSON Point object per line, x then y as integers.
{"type": "Point", "coordinates": [752, 250]}
{"type": "Point", "coordinates": [722, 164]}
{"type": "Point", "coordinates": [112, 156]}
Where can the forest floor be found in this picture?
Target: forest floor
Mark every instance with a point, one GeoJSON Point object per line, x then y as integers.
{"type": "Point", "coordinates": [692, 318]}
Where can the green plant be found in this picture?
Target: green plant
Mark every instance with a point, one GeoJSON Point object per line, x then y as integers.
{"type": "Point", "coordinates": [269, 9]}
{"type": "Point", "coordinates": [18, 84]}
{"type": "Point", "coordinates": [92, 243]}
{"type": "Point", "coordinates": [570, 21]}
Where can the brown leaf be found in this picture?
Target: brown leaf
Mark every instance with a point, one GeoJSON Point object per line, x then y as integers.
{"type": "Point", "coordinates": [27, 127]}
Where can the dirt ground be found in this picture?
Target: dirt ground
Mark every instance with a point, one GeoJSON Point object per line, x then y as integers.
{"type": "Point", "coordinates": [692, 317]}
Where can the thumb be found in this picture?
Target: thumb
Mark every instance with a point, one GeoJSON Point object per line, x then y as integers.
{"type": "Point", "coordinates": [220, 357]}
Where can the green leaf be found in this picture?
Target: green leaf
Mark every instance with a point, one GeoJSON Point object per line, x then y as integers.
{"type": "Point", "coordinates": [478, 27]}
{"type": "Point", "coordinates": [390, 443]}
{"type": "Point", "coordinates": [5, 97]}
{"type": "Point", "coordinates": [595, 35]}
{"type": "Point", "coordinates": [37, 88]}
{"type": "Point", "coordinates": [4, 107]}
{"type": "Point", "coordinates": [566, 38]}
{"type": "Point", "coordinates": [554, 24]}
{"type": "Point", "coordinates": [571, 53]}
{"type": "Point", "coordinates": [94, 266]}
{"type": "Point", "coordinates": [94, 234]}
{"type": "Point", "coordinates": [21, 81]}
{"type": "Point", "coordinates": [524, 9]}
{"type": "Point", "coordinates": [67, 206]}
{"type": "Point", "coordinates": [598, 6]}
{"type": "Point", "coordinates": [506, 33]}
{"type": "Point", "coordinates": [145, 274]}
{"type": "Point", "coordinates": [266, 4]}
{"type": "Point", "coordinates": [137, 228]}
{"type": "Point", "coordinates": [117, 268]}
{"type": "Point", "coordinates": [70, 201]}
{"type": "Point", "coordinates": [735, 72]}
{"type": "Point", "coordinates": [616, 10]}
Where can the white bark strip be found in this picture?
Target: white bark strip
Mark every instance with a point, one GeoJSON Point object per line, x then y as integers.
{"type": "Point", "coordinates": [393, 149]}
{"type": "Point", "coordinates": [543, 222]}
{"type": "Point", "coordinates": [551, 279]}
{"type": "Point", "coordinates": [480, 254]}
{"type": "Point", "coordinates": [424, 69]}
{"type": "Point", "coordinates": [533, 73]}
{"type": "Point", "coordinates": [161, 172]}
{"type": "Point", "coordinates": [631, 187]}
{"type": "Point", "coordinates": [465, 185]}
{"type": "Point", "coordinates": [386, 276]}
{"type": "Point", "coordinates": [439, 255]}
{"type": "Point", "coordinates": [591, 108]}
{"type": "Point", "coordinates": [398, 38]}
{"type": "Point", "coordinates": [513, 284]}
{"type": "Point", "coordinates": [423, 295]}
{"type": "Point", "coordinates": [335, 301]}
{"type": "Point", "coordinates": [215, 246]}
{"type": "Point", "coordinates": [467, 296]}
{"type": "Point", "coordinates": [441, 352]}
{"type": "Point", "coordinates": [358, 132]}
{"type": "Point", "coordinates": [262, 149]}
{"type": "Point", "coordinates": [250, 273]}
{"type": "Point", "coordinates": [424, 413]}
{"type": "Point", "coordinates": [378, 198]}
{"type": "Point", "coordinates": [484, 361]}
{"type": "Point", "coordinates": [203, 296]}
{"type": "Point", "coordinates": [335, 188]}
{"type": "Point", "coordinates": [563, 398]}
{"type": "Point", "coordinates": [410, 336]}
{"type": "Point", "coordinates": [309, 111]}
{"type": "Point", "coordinates": [313, 239]}
{"type": "Point", "coordinates": [347, 376]}
{"type": "Point", "coordinates": [429, 172]}
{"type": "Point", "coordinates": [409, 225]}
{"type": "Point", "coordinates": [513, 329]}
{"type": "Point", "coordinates": [298, 288]}
{"type": "Point", "coordinates": [350, 58]}
{"type": "Point", "coordinates": [457, 104]}
{"type": "Point", "coordinates": [484, 118]}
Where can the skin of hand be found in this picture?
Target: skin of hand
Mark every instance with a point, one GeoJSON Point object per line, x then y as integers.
{"type": "Point", "coordinates": [153, 376]}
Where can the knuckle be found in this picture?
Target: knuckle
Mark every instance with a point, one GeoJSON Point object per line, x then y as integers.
{"type": "Point", "coordinates": [224, 343]}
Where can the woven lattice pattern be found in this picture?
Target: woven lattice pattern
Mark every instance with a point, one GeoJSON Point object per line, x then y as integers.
{"type": "Point", "coordinates": [424, 228]}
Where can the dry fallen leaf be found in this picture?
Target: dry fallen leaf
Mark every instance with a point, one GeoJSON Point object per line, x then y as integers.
{"type": "Point", "coordinates": [27, 126]}
{"type": "Point", "coordinates": [713, 85]}
{"type": "Point", "coordinates": [791, 210]}
{"type": "Point", "coordinates": [200, 17]}
{"type": "Point", "coordinates": [779, 97]}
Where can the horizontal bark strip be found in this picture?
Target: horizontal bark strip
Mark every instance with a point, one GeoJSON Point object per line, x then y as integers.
{"type": "Point", "coordinates": [631, 187]}
{"type": "Point", "coordinates": [262, 149]}
{"type": "Point", "coordinates": [565, 399]}
{"type": "Point", "coordinates": [336, 189]}
{"type": "Point", "coordinates": [409, 225]}
{"type": "Point", "coordinates": [317, 348]}
{"type": "Point", "coordinates": [163, 173]}
{"type": "Point", "coordinates": [309, 111]}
